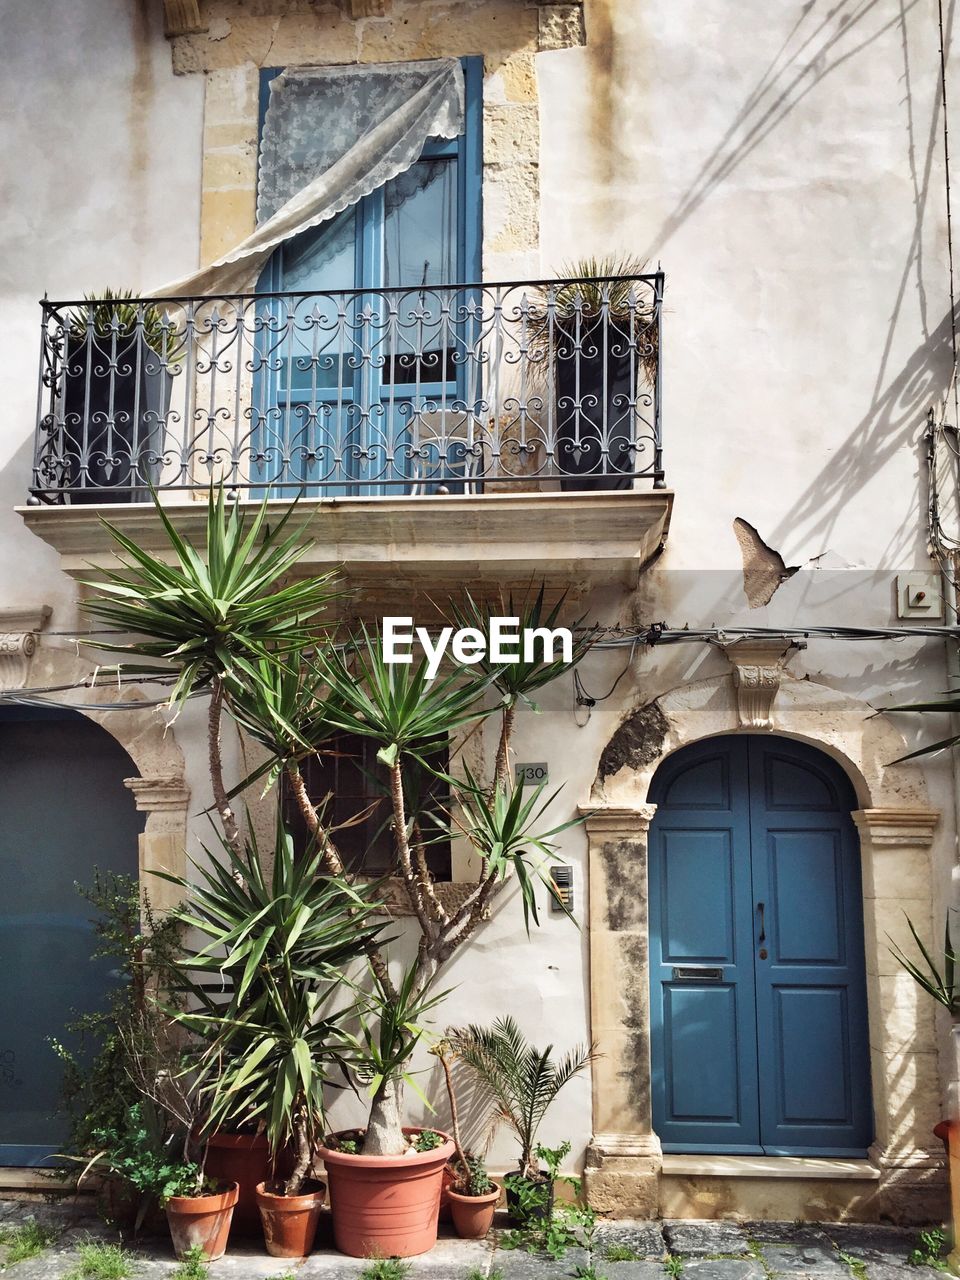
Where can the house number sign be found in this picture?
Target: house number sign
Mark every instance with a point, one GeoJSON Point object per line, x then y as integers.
{"type": "Point", "coordinates": [531, 775]}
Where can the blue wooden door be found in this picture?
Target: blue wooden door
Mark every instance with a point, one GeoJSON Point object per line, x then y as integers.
{"type": "Point", "coordinates": [758, 992]}
{"type": "Point", "coordinates": [64, 811]}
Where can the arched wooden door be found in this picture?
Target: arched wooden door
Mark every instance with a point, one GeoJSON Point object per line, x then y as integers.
{"type": "Point", "coordinates": [64, 811]}
{"type": "Point", "coordinates": [759, 1035]}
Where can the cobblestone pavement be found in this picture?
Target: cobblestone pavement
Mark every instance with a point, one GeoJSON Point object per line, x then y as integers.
{"type": "Point", "coordinates": [622, 1251]}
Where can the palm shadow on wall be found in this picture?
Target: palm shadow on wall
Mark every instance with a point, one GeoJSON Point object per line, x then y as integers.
{"type": "Point", "coordinates": [819, 44]}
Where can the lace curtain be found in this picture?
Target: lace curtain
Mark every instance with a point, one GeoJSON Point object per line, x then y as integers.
{"type": "Point", "coordinates": [331, 136]}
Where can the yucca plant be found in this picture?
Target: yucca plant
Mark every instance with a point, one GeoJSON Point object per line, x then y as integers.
{"type": "Point", "coordinates": [522, 1079]}
{"type": "Point", "coordinates": [223, 618]}
{"type": "Point", "coordinates": [940, 985]}
{"type": "Point", "coordinates": [278, 951]}
{"type": "Point", "coordinates": [116, 314]}
{"type": "Point", "coordinates": [517, 681]}
{"type": "Point", "coordinates": [209, 617]}
{"type": "Point", "coordinates": [589, 289]}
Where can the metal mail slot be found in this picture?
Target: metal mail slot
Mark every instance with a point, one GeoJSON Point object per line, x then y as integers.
{"type": "Point", "coordinates": [692, 974]}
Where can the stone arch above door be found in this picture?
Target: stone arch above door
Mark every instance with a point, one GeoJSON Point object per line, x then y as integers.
{"type": "Point", "coordinates": [160, 789]}
{"type": "Point", "coordinates": [896, 826]}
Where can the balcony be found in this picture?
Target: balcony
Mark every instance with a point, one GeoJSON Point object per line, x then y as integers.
{"type": "Point", "coordinates": [486, 430]}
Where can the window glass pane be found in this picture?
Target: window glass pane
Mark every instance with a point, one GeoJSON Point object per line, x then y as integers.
{"type": "Point", "coordinates": [322, 258]}
{"type": "Point", "coordinates": [420, 225]}
{"type": "Point", "coordinates": [318, 341]}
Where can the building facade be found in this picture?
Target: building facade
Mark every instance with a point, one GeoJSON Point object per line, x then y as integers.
{"type": "Point", "coordinates": [772, 184]}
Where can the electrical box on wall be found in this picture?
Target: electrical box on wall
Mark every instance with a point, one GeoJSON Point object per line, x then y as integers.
{"type": "Point", "coordinates": [920, 595]}
{"type": "Point", "coordinates": [561, 897]}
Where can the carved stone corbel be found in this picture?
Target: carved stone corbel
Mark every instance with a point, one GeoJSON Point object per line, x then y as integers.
{"type": "Point", "coordinates": [18, 643]}
{"type": "Point", "coordinates": [758, 667]}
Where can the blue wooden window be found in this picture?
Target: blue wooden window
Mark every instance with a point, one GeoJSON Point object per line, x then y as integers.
{"type": "Point", "coordinates": [333, 411]}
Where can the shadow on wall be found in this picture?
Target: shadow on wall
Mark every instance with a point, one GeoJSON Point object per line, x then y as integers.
{"type": "Point", "coordinates": [821, 42]}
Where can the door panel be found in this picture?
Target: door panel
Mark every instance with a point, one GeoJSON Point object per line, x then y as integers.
{"type": "Point", "coordinates": [65, 811]}
{"type": "Point", "coordinates": [701, 961]}
{"type": "Point", "coordinates": [811, 989]}
{"type": "Point", "coordinates": [755, 876]}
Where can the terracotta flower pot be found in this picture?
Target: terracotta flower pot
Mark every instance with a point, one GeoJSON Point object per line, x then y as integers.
{"type": "Point", "coordinates": [203, 1221]}
{"type": "Point", "coordinates": [449, 1178]}
{"type": "Point", "coordinates": [243, 1158]}
{"type": "Point", "coordinates": [473, 1215]}
{"type": "Point", "coordinates": [290, 1222]}
{"type": "Point", "coordinates": [386, 1205]}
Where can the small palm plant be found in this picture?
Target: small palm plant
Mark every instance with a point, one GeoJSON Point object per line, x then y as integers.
{"type": "Point", "coordinates": [523, 1080]}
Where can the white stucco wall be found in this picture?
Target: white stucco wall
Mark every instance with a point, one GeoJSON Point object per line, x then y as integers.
{"type": "Point", "coordinates": [101, 147]}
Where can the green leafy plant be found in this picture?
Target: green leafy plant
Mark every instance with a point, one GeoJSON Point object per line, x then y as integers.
{"type": "Point", "coordinates": [553, 1158]}
{"type": "Point", "coordinates": [568, 1226]}
{"type": "Point", "coordinates": [858, 1268]}
{"type": "Point", "coordinates": [589, 290]}
{"type": "Point", "coordinates": [141, 1153]}
{"type": "Point", "coordinates": [587, 1271]}
{"type": "Point", "coordinates": [228, 618]}
{"type": "Point", "coordinates": [928, 1249]}
{"type": "Point", "coordinates": [386, 1269]}
{"type": "Point", "coordinates": [620, 1253]}
{"type": "Point", "coordinates": [28, 1240]}
{"type": "Point", "coordinates": [113, 1051]}
{"type": "Point", "coordinates": [673, 1265]}
{"type": "Point", "coordinates": [939, 984]}
{"type": "Point", "coordinates": [428, 1140]}
{"type": "Point", "coordinates": [114, 315]}
{"type": "Point", "coordinates": [279, 947]}
{"type": "Point", "coordinates": [101, 1260]}
{"type": "Point", "coordinates": [523, 1080]}
{"type": "Point", "coordinates": [193, 1265]}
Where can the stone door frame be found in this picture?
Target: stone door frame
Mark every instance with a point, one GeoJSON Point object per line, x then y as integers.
{"type": "Point", "coordinates": [896, 827]}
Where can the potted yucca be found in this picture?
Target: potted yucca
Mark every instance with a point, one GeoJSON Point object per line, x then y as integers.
{"type": "Point", "coordinates": [116, 377]}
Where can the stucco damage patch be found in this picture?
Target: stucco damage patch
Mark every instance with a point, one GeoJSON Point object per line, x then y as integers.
{"type": "Point", "coordinates": [637, 742]}
{"type": "Point", "coordinates": [625, 905]}
{"type": "Point", "coordinates": [636, 1021]}
{"type": "Point", "coordinates": [764, 569]}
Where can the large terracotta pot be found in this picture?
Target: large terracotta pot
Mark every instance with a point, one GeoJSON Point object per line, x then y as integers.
{"type": "Point", "coordinates": [290, 1222]}
{"type": "Point", "coordinates": [473, 1215]}
{"type": "Point", "coordinates": [203, 1221]}
{"type": "Point", "coordinates": [243, 1158]}
{"type": "Point", "coordinates": [386, 1205]}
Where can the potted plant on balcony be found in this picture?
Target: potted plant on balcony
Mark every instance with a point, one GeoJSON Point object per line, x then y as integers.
{"type": "Point", "coordinates": [118, 360]}
{"type": "Point", "coordinates": [523, 1081]}
{"type": "Point", "coordinates": [597, 331]}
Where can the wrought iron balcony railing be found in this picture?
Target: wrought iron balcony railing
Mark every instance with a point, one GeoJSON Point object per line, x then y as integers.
{"type": "Point", "coordinates": [539, 385]}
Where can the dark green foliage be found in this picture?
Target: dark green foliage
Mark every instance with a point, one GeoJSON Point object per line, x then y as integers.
{"type": "Point", "coordinates": [217, 611]}
{"type": "Point", "coordinates": [271, 1022]}
{"type": "Point", "coordinates": [428, 1140]}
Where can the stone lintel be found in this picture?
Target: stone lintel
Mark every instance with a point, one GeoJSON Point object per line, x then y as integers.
{"type": "Point", "coordinates": [897, 826]}
{"type": "Point", "coordinates": [618, 821]}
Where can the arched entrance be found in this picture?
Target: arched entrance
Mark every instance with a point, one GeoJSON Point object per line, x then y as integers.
{"type": "Point", "coordinates": [65, 811]}
{"type": "Point", "coordinates": [758, 1002]}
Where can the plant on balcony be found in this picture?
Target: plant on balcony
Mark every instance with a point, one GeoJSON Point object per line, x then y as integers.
{"type": "Point", "coordinates": [118, 356]}
{"type": "Point", "coordinates": [226, 619]}
{"type": "Point", "coordinates": [597, 330]}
